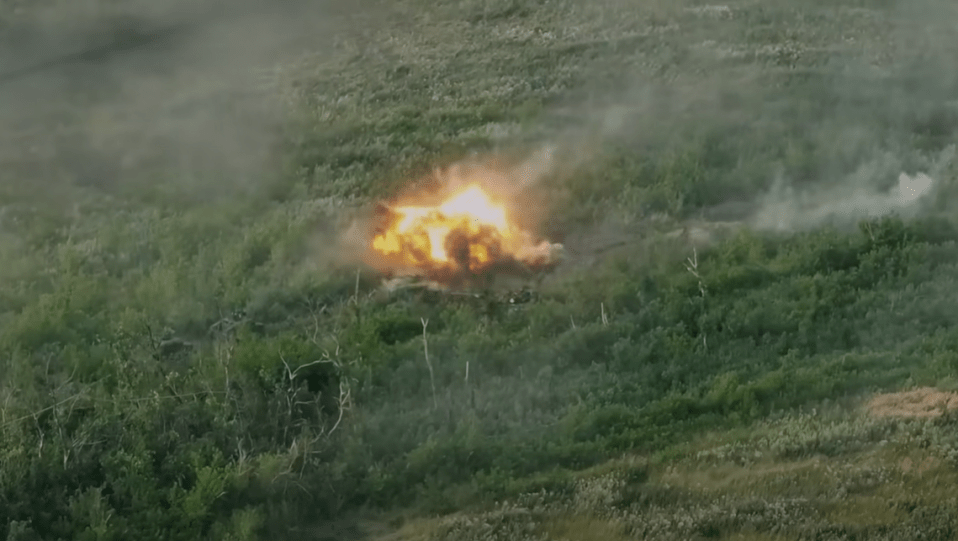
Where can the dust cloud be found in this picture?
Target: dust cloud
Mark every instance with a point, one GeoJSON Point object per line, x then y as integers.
{"type": "Point", "coordinates": [887, 132]}
{"type": "Point", "coordinates": [878, 127]}
{"type": "Point", "coordinates": [882, 111]}
{"type": "Point", "coordinates": [131, 96]}
{"type": "Point", "coordinates": [784, 209]}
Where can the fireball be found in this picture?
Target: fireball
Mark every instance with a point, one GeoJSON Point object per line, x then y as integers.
{"type": "Point", "coordinates": [464, 235]}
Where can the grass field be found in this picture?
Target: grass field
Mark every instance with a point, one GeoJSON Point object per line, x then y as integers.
{"type": "Point", "coordinates": [187, 353]}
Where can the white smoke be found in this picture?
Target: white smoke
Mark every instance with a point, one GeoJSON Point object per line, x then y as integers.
{"type": "Point", "coordinates": [786, 208]}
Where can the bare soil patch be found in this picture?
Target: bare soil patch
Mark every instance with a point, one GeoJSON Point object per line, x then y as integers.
{"type": "Point", "coordinates": [923, 402]}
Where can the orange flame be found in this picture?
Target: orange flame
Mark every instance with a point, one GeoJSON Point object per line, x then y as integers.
{"type": "Point", "coordinates": [466, 234]}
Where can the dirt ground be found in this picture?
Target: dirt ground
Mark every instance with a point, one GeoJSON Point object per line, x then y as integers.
{"type": "Point", "coordinates": [923, 402]}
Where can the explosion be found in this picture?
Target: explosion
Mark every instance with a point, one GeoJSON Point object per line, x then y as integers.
{"type": "Point", "coordinates": [456, 238]}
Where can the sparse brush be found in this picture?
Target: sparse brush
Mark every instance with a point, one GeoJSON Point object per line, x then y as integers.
{"type": "Point", "coordinates": [184, 353]}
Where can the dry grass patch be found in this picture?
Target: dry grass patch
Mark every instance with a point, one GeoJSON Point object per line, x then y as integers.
{"type": "Point", "coordinates": [924, 402]}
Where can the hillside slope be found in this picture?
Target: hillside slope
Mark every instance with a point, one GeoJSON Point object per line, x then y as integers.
{"type": "Point", "coordinates": [187, 352]}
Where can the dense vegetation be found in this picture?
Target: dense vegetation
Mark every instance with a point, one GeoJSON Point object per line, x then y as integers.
{"type": "Point", "coordinates": [185, 363]}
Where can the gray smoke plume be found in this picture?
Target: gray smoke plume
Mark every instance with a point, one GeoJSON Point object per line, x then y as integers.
{"type": "Point", "coordinates": [135, 97]}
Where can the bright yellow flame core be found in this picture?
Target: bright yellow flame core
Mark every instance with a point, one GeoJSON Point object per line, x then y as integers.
{"type": "Point", "coordinates": [421, 232]}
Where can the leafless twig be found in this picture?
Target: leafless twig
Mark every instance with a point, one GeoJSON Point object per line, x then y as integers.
{"type": "Point", "coordinates": [344, 403]}
{"type": "Point", "coordinates": [692, 265]}
{"type": "Point", "coordinates": [425, 349]}
{"type": "Point", "coordinates": [356, 291]}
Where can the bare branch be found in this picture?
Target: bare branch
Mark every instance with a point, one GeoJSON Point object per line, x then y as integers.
{"type": "Point", "coordinates": [356, 292]}
{"type": "Point", "coordinates": [425, 348]}
{"type": "Point", "coordinates": [344, 403]}
{"type": "Point", "coordinates": [289, 371]}
{"type": "Point", "coordinates": [692, 265]}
